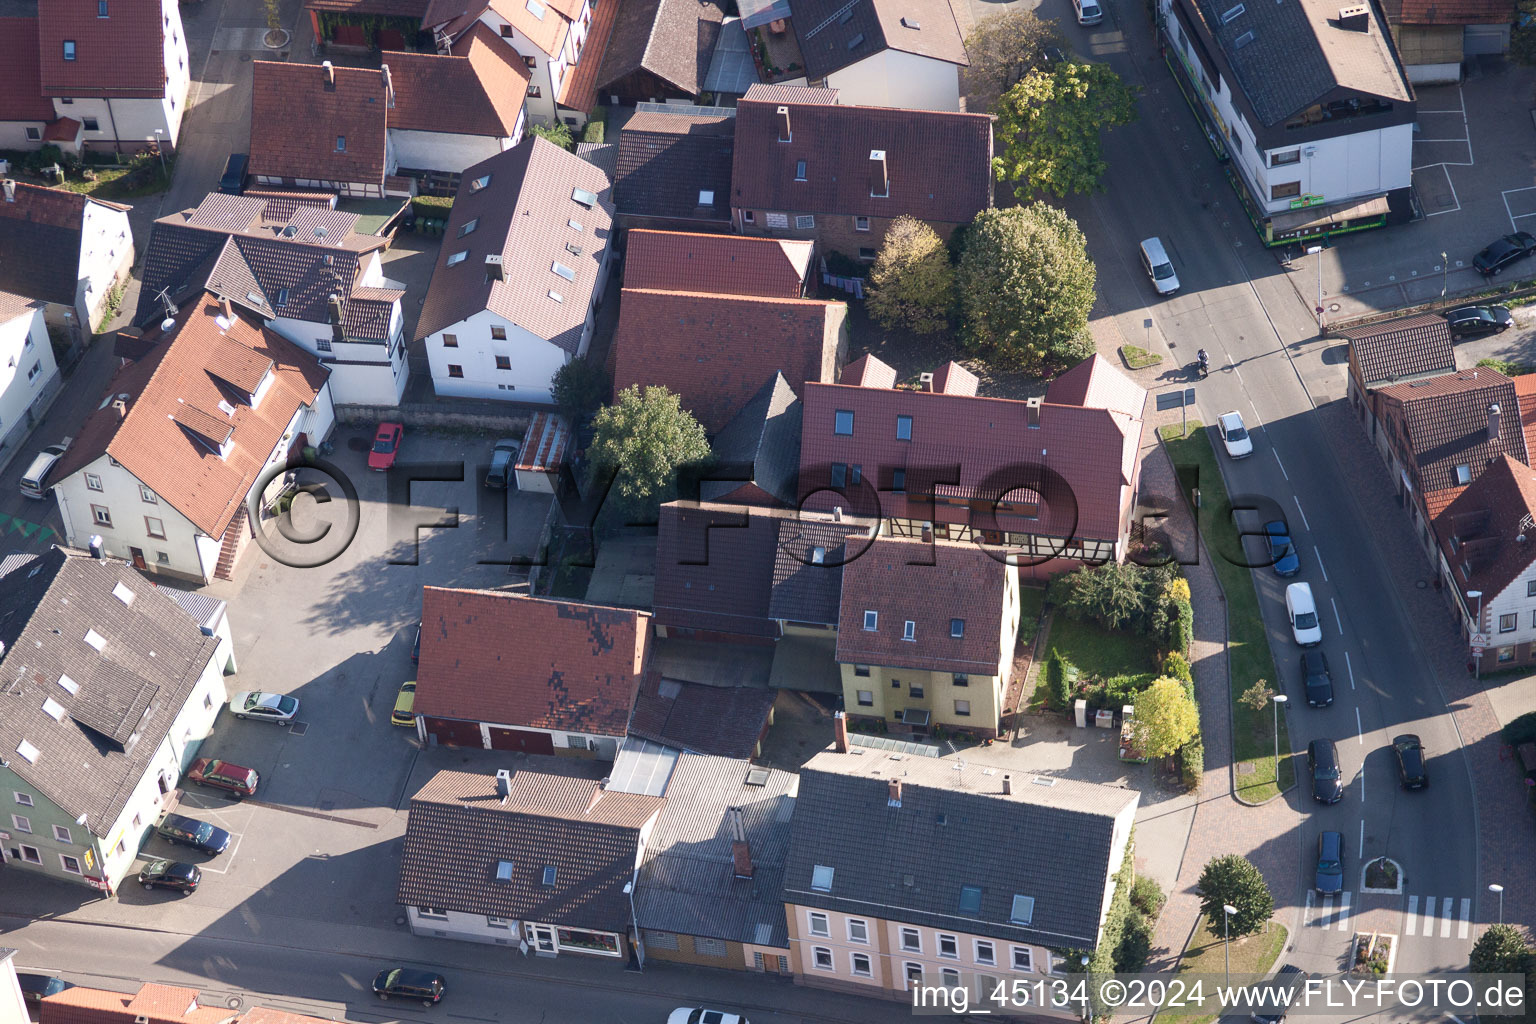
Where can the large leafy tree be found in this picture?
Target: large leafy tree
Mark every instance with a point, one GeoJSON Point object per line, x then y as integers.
{"type": "Point", "coordinates": [912, 283]}
{"type": "Point", "coordinates": [578, 387]}
{"type": "Point", "coordinates": [1049, 125]}
{"type": "Point", "coordinates": [1501, 949]}
{"type": "Point", "coordinates": [1026, 287]}
{"type": "Point", "coordinates": [1003, 48]}
{"type": "Point", "coordinates": [1233, 881]}
{"type": "Point", "coordinates": [645, 438]}
{"type": "Point", "coordinates": [1166, 718]}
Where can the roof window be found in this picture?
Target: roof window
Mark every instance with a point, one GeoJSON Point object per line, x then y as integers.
{"type": "Point", "coordinates": [69, 684]}
{"type": "Point", "coordinates": [101, 8]}
{"type": "Point", "coordinates": [842, 422]}
{"type": "Point", "coordinates": [757, 777]}
{"type": "Point", "coordinates": [122, 593]}
{"type": "Point", "coordinates": [1463, 475]}
{"type": "Point", "coordinates": [341, 143]}
{"type": "Point", "coordinates": [54, 708]}
{"type": "Point", "coordinates": [30, 754]}
{"type": "Point", "coordinates": [818, 556]}
{"type": "Point", "coordinates": [846, 16]}
{"type": "Point", "coordinates": [549, 874]}
{"type": "Point", "coordinates": [503, 871]}
{"type": "Point", "coordinates": [69, 49]}
{"type": "Point", "coordinates": [573, 225]}
{"type": "Point", "coordinates": [457, 258]}
{"type": "Point", "coordinates": [855, 41]}
{"type": "Point", "coordinates": [903, 428]}
{"type": "Point", "coordinates": [1242, 40]}
{"type": "Point", "coordinates": [1023, 910]}
{"type": "Point", "coordinates": [957, 627]}
{"type": "Point", "coordinates": [561, 270]}
{"type": "Point", "coordinates": [970, 899]}
{"type": "Point", "coordinates": [800, 168]}
{"type": "Point", "coordinates": [582, 197]}
{"type": "Point", "coordinates": [282, 297]}
{"type": "Point", "coordinates": [871, 621]}
{"type": "Point", "coordinates": [909, 630]}
{"type": "Point", "coordinates": [706, 197]}
{"type": "Point", "coordinates": [535, 8]}
{"type": "Point", "coordinates": [556, 295]}
{"type": "Point", "coordinates": [1232, 13]}
{"type": "Point", "coordinates": [468, 226]}
{"type": "Point", "coordinates": [476, 184]}
{"type": "Point", "coordinates": [821, 878]}
{"type": "Point", "coordinates": [96, 640]}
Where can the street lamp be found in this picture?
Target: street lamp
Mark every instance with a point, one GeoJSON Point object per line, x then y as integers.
{"type": "Point", "coordinates": [161, 150]}
{"type": "Point", "coordinates": [1445, 271]}
{"type": "Point", "coordinates": [1477, 657]}
{"type": "Point", "coordinates": [1279, 699]}
{"type": "Point", "coordinates": [1227, 910]}
{"type": "Point", "coordinates": [1496, 887]}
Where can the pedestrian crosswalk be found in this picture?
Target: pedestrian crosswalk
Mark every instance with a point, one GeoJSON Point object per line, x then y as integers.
{"type": "Point", "coordinates": [1332, 911]}
{"type": "Point", "coordinates": [1431, 924]}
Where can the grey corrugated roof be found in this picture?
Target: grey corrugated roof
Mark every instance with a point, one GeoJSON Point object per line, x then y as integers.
{"type": "Point", "coordinates": [761, 442]}
{"type": "Point", "coordinates": [90, 762]}
{"type": "Point", "coordinates": [642, 767]}
{"type": "Point", "coordinates": [688, 883]}
{"type": "Point", "coordinates": [1051, 843]}
{"type": "Point", "coordinates": [1296, 54]}
{"type": "Point", "coordinates": [206, 610]}
{"type": "Point", "coordinates": [731, 68]}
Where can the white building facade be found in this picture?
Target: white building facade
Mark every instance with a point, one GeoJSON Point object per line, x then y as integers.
{"type": "Point", "coordinates": [29, 375]}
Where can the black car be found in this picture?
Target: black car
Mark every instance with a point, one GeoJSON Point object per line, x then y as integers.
{"type": "Point", "coordinates": [183, 831]}
{"type": "Point", "coordinates": [1409, 752]}
{"type": "Point", "coordinates": [1323, 766]}
{"type": "Point", "coordinates": [1329, 877]}
{"type": "Point", "coordinates": [1273, 1009]}
{"type": "Point", "coordinates": [1471, 321]}
{"type": "Point", "coordinates": [1316, 680]}
{"type": "Point", "coordinates": [410, 983]}
{"type": "Point", "coordinates": [1507, 250]}
{"type": "Point", "coordinates": [37, 987]}
{"type": "Point", "coordinates": [167, 874]}
{"type": "Point", "coordinates": [232, 182]}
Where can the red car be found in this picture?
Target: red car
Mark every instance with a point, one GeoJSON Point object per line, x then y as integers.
{"type": "Point", "coordinates": [386, 445]}
{"type": "Point", "coordinates": [210, 771]}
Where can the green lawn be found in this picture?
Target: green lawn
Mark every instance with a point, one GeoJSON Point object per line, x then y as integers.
{"type": "Point", "coordinates": [1206, 957]}
{"type": "Point", "coordinates": [1099, 652]}
{"type": "Point", "coordinates": [1253, 732]}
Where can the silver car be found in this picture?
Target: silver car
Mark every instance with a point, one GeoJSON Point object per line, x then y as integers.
{"type": "Point", "coordinates": [267, 707]}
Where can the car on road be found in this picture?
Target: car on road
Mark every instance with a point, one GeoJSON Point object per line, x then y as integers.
{"type": "Point", "coordinates": [1501, 253]}
{"type": "Point", "coordinates": [1088, 12]}
{"type": "Point", "coordinates": [386, 445]}
{"type": "Point", "coordinates": [1472, 321]}
{"type": "Point", "coordinates": [1323, 767]}
{"type": "Point", "coordinates": [34, 482]}
{"type": "Point", "coordinates": [1329, 878]}
{"type": "Point", "coordinates": [1282, 551]}
{"type": "Point", "coordinates": [503, 459]}
{"type": "Point", "coordinates": [232, 181]}
{"type": "Point", "coordinates": [210, 771]}
{"type": "Point", "coordinates": [180, 830]}
{"type": "Point", "coordinates": [1302, 611]}
{"type": "Point", "coordinates": [1234, 435]}
{"type": "Point", "coordinates": [1155, 261]}
{"type": "Point", "coordinates": [1409, 753]}
{"type": "Point", "coordinates": [170, 874]}
{"type": "Point", "coordinates": [1272, 1010]}
{"type": "Point", "coordinates": [1316, 680]}
{"type": "Point", "coordinates": [409, 983]}
{"type": "Point", "coordinates": [265, 707]}
{"type": "Point", "coordinates": [405, 704]}
{"type": "Point", "coordinates": [699, 1015]}
{"type": "Point", "coordinates": [37, 986]}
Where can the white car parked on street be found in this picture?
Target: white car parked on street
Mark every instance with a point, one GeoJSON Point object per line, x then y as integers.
{"type": "Point", "coordinates": [1234, 435]}
{"type": "Point", "coordinates": [1302, 611]}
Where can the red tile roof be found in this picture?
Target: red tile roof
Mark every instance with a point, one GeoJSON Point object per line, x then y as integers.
{"type": "Point", "coordinates": [1453, 12]}
{"type": "Point", "coordinates": [478, 90]}
{"type": "Point", "coordinates": [579, 90]}
{"type": "Point", "coordinates": [868, 372]}
{"type": "Point", "coordinates": [21, 88]}
{"type": "Point", "coordinates": [833, 35]}
{"type": "Point", "coordinates": [120, 55]}
{"type": "Point", "coordinates": [525, 661]}
{"type": "Point", "coordinates": [154, 1004]}
{"type": "Point", "coordinates": [547, 33]}
{"type": "Point", "coordinates": [1525, 392]}
{"type": "Point", "coordinates": [1396, 349]}
{"type": "Point", "coordinates": [355, 109]}
{"type": "Point", "coordinates": [938, 164]}
{"type": "Point", "coordinates": [928, 585]}
{"type": "Point", "coordinates": [1446, 422]}
{"type": "Point", "coordinates": [739, 265]}
{"type": "Point", "coordinates": [1094, 383]}
{"type": "Point", "coordinates": [717, 351]}
{"type": "Point", "coordinates": [954, 379]}
{"type": "Point", "coordinates": [1484, 533]}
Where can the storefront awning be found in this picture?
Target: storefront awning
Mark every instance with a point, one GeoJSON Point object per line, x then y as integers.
{"type": "Point", "coordinates": [1314, 218]}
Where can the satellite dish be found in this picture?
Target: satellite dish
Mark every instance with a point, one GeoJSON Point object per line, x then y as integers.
{"type": "Point", "coordinates": [167, 323]}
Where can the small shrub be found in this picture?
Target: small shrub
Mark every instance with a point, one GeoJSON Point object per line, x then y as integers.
{"type": "Point", "coordinates": [559, 133]}
{"type": "Point", "coordinates": [1177, 589]}
{"type": "Point", "coordinates": [1257, 696]}
{"type": "Point", "coordinates": [1135, 942]}
{"type": "Point", "coordinates": [1181, 627]}
{"type": "Point", "coordinates": [597, 126]}
{"type": "Point", "coordinates": [1148, 897]}
{"type": "Point", "coordinates": [1176, 666]}
{"type": "Point", "coordinates": [423, 207]}
{"type": "Point", "coordinates": [1192, 764]}
{"type": "Point", "coordinates": [1060, 674]}
{"type": "Point", "coordinates": [1505, 367]}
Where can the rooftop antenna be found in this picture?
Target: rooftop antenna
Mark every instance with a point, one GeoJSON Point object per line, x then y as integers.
{"type": "Point", "coordinates": [170, 310]}
{"type": "Point", "coordinates": [959, 769]}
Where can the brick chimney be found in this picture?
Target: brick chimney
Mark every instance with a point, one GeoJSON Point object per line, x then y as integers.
{"type": "Point", "coordinates": [741, 850]}
{"type": "Point", "coordinates": [1493, 422]}
{"type": "Point", "coordinates": [840, 732]}
{"type": "Point", "coordinates": [389, 86]}
{"type": "Point", "coordinates": [785, 135]}
{"type": "Point", "coordinates": [330, 75]}
{"type": "Point", "coordinates": [1032, 412]}
{"type": "Point", "coordinates": [1007, 785]}
{"type": "Point", "coordinates": [879, 174]}
{"type": "Point", "coordinates": [895, 793]}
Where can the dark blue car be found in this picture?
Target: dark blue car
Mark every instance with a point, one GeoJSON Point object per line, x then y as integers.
{"type": "Point", "coordinates": [1281, 551]}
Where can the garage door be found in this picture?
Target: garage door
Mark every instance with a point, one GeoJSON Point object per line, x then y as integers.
{"type": "Point", "coordinates": [452, 732]}
{"type": "Point", "coordinates": [522, 740]}
{"type": "Point", "coordinates": [1485, 39]}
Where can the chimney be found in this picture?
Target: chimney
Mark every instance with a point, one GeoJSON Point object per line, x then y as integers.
{"type": "Point", "coordinates": [879, 176]}
{"type": "Point", "coordinates": [229, 308]}
{"type": "Point", "coordinates": [96, 549]}
{"type": "Point", "coordinates": [785, 135]}
{"type": "Point", "coordinates": [1493, 422]}
{"type": "Point", "coordinates": [10, 190]}
{"type": "Point", "coordinates": [895, 793]}
{"type": "Point", "coordinates": [741, 850]}
{"type": "Point", "coordinates": [389, 86]}
{"type": "Point", "coordinates": [837, 513]}
{"type": "Point", "coordinates": [493, 267]}
{"type": "Point", "coordinates": [925, 382]}
{"type": "Point", "coordinates": [1356, 18]}
{"type": "Point", "coordinates": [1007, 785]}
{"type": "Point", "coordinates": [121, 407]}
{"type": "Point", "coordinates": [503, 784]}
{"type": "Point", "coordinates": [1032, 412]}
{"type": "Point", "coordinates": [330, 75]}
{"type": "Point", "coordinates": [840, 732]}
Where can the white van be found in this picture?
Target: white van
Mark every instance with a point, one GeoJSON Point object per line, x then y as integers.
{"type": "Point", "coordinates": [33, 481]}
{"type": "Point", "coordinates": [1154, 260]}
{"type": "Point", "coordinates": [1088, 12]}
{"type": "Point", "coordinates": [1302, 611]}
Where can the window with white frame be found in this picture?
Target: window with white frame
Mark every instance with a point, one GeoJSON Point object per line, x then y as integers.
{"type": "Point", "coordinates": [1507, 622]}
{"type": "Point", "coordinates": [441, 915]}
{"type": "Point", "coordinates": [819, 925]}
{"type": "Point", "coordinates": [858, 930]}
{"type": "Point", "coordinates": [821, 958]}
{"type": "Point", "coordinates": [70, 864]}
{"type": "Point", "coordinates": [21, 823]}
{"type": "Point", "coordinates": [949, 947]}
{"type": "Point", "coordinates": [23, 799]}
{"type": "Point", "coordinates": [498, 922]}
{"type": "Point", "coordinates": [963, 708]}
{"type": "Point", "coordinates": [1530, 588]}
{"type": "Point", "coordinates": [1023, 959]}
{"type": "Point", "coordinates": [949, 977]}
{"type": "Point", "coordinates": [62, 835]}
{"type": "Point", "coordinates": [859, 965]}
{"type": "Point", "coordinates": [30, 855]}
{"type": "Point", "coordinates": [913, 973]}
{"type": "Point", "coordinates": [92, 482]}
{"type": "Point", "coordinates": [866, 698]}
{"type": "Point", "coordinates": [709, 947]}
{"type": "Point", "coordinates": [986, 952]}
{"type": "Point", "coordinates": [147, 496]}
{"type": "Point", "coordinates": [911, 940]}
{"type": "Point", "coordinates": [861, 223]}
{"type": "Point", "coordinates": [805, 221]}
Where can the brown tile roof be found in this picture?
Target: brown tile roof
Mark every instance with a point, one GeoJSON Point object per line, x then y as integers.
{"type": "Point", "coordinates": [265, 1014]}
{"type": "Point", "coordinates": [672, 39]}
{"type": "Point", "coordinates": [939, 164]}
{"type": "Point", "coordinates": [524, 217]}
{"type": "Point", "coordinates": [830, 42]}
{"type": "Point", "coordinates": [160, 1004]}
{"type": "Point", "coordinates": [1455, 12]}
{"type": "Point", "coordinates": [13, 306]}
{"type": "Point", "coordinates": [1408, 347]}
{"type": "Point", "coordinates": [954, 379]}
{"type": "Point", "coordinates": [459, 831]}
{"type": "Point", "coordinates": [665, 160]}
{"type": "Point", "coordinates": [579, 90]}
{"type": "Point", "coordinates": [21, 88]}
{"type": "Point", "coordinates": [1483, 532]}
{"type": "Point", "coordinates": [868, 372]}
{"type": "Point", "coordinates": [714, 568]}
{"type": "Point", "coordinates": [1446, 419]}
{"type": "Point", "coordinates": [120, 55]}
{"type": "Point", "coordinates": [717, 351]}
{"type": "Point", "coordinates": [478, 90]}
{"type": "Point", "coordinates": [389, 9]}
{"type": "Point", "coordinates": [183, 377]}
{"type": "Point", "coordinates": [40, 243]}
{"type": "Point", "coordinates": [1093, 383]}
{"type": "Point", "coordinates": [723, 720]}
{"type": "Point", "coordinates": [1525, 392]}
{"type": "Point", "coordinates": [524, 661]}
{"type": "Point", "coordinates": [547, 33]}
{"type": "Point", "coordinates": [738, 265]}
{"type": "Point", "coordinates": [305, 147]}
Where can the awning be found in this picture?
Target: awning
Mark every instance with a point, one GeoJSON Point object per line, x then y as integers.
{"type": "Point", "coordinates": [1313, 218]}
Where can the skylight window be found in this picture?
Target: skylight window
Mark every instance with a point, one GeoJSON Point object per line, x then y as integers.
{"type": "Point", "coordinates": [535, 8]}
{"type": "Point", "coordinates": [476, 184]}
{"type": "Point", "coordinates": [871, 621]}
{"type": "Point", "coordinates": [468, 226]}
{"type": "Point", "coordinates": [54, 708]}
{"type": "Point", "coordinates": [1023, 910]}
{"type": "Point", "coordinates": [855, 41]}
{"type": "Point", "coordinates": [27, 751]}
{"type": "Point", "coordinates": [573, 225]}
{"type": "Point", "coordinates": [970, 899]}
{"type": "Point", "coordinates": [821, 878]}
{"type": "Point", "coordinates": [584, 198]}
{"type": "Point", "coordinates": [706, 197]}
{"type": "Point", "coordinates": [842, 421]}
{"type": "Point", "coordinates": [1232, 13]}
{"type": "Point", "coordinates": [561, 270]}
{"type": "Point", "coordinates": [95, 639]}
{"type": "Point", "coordinates": [282, 296]}
{"type": "Point", "coordinates": [556, 295]}
{"type": "Point", "coordinates": [253, 298]}
{"type": "Point", "coordinates": [457, 258]}
{"type": "Point", "coordinates": [909, 631]}
{"type": "Point", "coordinates": [846, 16]}
{"type": "Point", "coordinates": [1242, 40]}
{"type": "Point", "coordinates": [503, 871]}
{"type": "Point", "coordinates": [69, 684]}
{"type": "Point", "coordinates": [957, 628]}
{"type": "Point", "coordinates": [123, 594]}
{"type": "Point", "coordinates": [549, 874]}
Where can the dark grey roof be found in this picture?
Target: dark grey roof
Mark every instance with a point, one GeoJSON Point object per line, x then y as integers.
{"type": "Point", "coordinates": [761, 443]}
{"type": "Point", "coordinates": [1289, 56]}
{"type": "Point", "coordinates": [804, 591]}
{"type": "Point", "coordinates": [666, 158]}
{"type": "Point", "coordinates": [672, 39]}
{"type": "Point", "coordinates": [954, 828]}
{"type": "Point", "coordinates": [127, 694]}
{"type": "Point", "coordinates": [688, 883]}
{"type": "Point", "coordinates": [836, 33]}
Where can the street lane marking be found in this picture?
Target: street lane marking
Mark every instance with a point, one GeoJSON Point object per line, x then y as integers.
{"type": "Point", "coordinates": [1283, 473]}
{"type": "Point", "coordinates": [1302, 511]}
{"type": "Point", "coordinates": [1411, 924]}
{"type": "Point", "coordinates": [1337, 621]}
{"type": "Point", "coordinates": [1351, 670]}
{"type": "Point", "coordinates": [1361, 847]}
{"type": "Point", "coordinates": [1320, 564]}
{"type": "Point", "coordinates": [1344, 911]}
{"type": "Point", "coordinates": [1445, 917]}
{"type": "Point", "coordinates": [1307, 914]}
{"type": "Point", "coordinates": [1429, 917]}
{"type": "Point", "coordinates": [1359, 731]}
{"type": "Point", "coordinates": [1466, 923]}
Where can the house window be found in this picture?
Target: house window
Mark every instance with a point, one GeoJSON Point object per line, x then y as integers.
{"type": "Point", "coordinates": [323, 344]}
{"type": "Point", "coordinates": [455, 370]}
{"type": "Point", "coordinates": [819, 925]}
{"type": "Point", "coordinates": [821, 958]}
{"type": "Point", "coordinates": [903, 428]}
{"type": "Point", "coordinates": [858, 964]}
{"type": "Point", "coordinates": [21, 823]}
{"type": "Point", "coordinates": [949, 977]}
{"type": "Point", "coordinates": [861, 223]}
{"type": "Point", "coordinates": [916, 690]}
{"type": "Point", "coordinates": [960, 679]}
{"type": "Point", "coordinates": [862, 671]}
{"type": "Point", "coordinates": [1506, 654]}
{"type": "Point", "coordinates": [909, 630]}
{"type": "Point", "coordinates": [748, 217]}
{"type": "Point", "coordinates": [102, 516]}
{"type": "Point", "coordinates": [69, 49]}
{"type": "Point", "coordinates": [498, 922]}
{"type": "Point", "coordinates": [949, 947]}
{"type": "Point", "coordinates": [506, 31]}
{"type": "Point", "coordinates": [121, 848]}
{"type": "Point", "coordinates": [839, 475]}
{"type": "Point", "coordinates": [821, 878]}
{"type": "Point", "coordinates": [531, 62]}
{"type": "Point", "coordinates": [503, 362]}
{"type": "Point", "coordinates": [799, 173]}
{"type": "Point", "coordinates": [1286, 190]}
{"type": "Point", "coordinates": [450, 341]}
{"type": "Point", "coordinates": [30, 855]}
{"type": "Point", "coordinates": [498, 334]}
{"type": "Point", "coordinates": [963, 708]}
{"type": "Point", "coordinates": [162, 558]}
{"type": "Point", "coordinates": [441, 915]}
{"type": "Point", "coordinates": [858, 930]}
{"type": "Point", "coordinates": [911, 940]}
{"type": "Point", "coordinates": [34, 134]}
{"type": "Point", "coordinates": [1023, 959]}
{"type": "Point", "coordinates": [866, 698]}
{"type": "Point", "coordinates": [1533, 626]}
{"type": "Point", "coordinates": [871, 621]}
{"type": "Point", "coordinates": [92, 482]}
{"type": "Point", "coordinates": [914, 973]}
{"type": "Point", "coordinates": [154, 527]}
{"type": "Point", "coordinates": [467, 227]}
{"type": "Point", "coordinates": [62, 835]}
{"type": "Point", "coordinates": [986, 953]}
{"type": "Point", "coordinates": [1463, 475]}
{"type": "Point", "coordinates": [709, 947]}
{"type": "Point", "coordinates": [899, 480]}
{"type": "Point", "coordinates": [957, 627]}
{"type": "Point", "coordinates": [1530, 588]}
{"type": "Point", "coordinates": [22, 799]}
{"type": "Point", "coordinates": [661, 940]}
{"type": "Point", "coordinates": [70, 864]}
{"type": "Point", "coordinates": [534, 92]}
{"type": "Point", "coordinates": [1285, 156]}
{"type": "Point", "coordinates": [842, 422]}
{"type": "Point", "coordinates": [147, 496]}
{"type": "Point", "coordinates": [90, 124]}
{"type": "Point", "coordinates": [1507, 623]}
{"type": "Point", "coordinates": [805, 221]}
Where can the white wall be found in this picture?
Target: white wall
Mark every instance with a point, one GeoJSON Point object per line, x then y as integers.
{"type": "Point", "coordinates": [442, 151]}
{"type": "Point", "coordinates": [13, 1009]}
{"type": "Point", "coordinates": [13, 135]}
{"type": "Point", "coordinates": [178, 68]}
{"type": "Point", "coordinates": [892, 78]}
{"type": "Point", "coordinates": [362, 373]}
{"type": "Point", "coordinates": [106, 246]}
{"type": "Point", "coordinates": [542, 108]}
{"type": "Point", "coordinates": [534, 361]}
{"type": "Point", "coordinates": [120, 496]}
{"type": "Point", "coordinates": [24, 346]}
{"type": "Point", "coordinates": [468, 927]}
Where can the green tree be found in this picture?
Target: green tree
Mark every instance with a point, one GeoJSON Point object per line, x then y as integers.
{"type": "Point", "coordinates": [274, 16]}
{"type": "Point", "coordinates": [1049, 125]}
{"type": "Point", "coordinates": [1002, 49]}
{"type": "Point", "coordinates": [559, 133]}
{"type": "Point", "coordinates": [1501, 949]}
{"type": "Point", "coordinates": [645, 438]}
{"type": "Point", "coordinates": [1109, 594]}
{"type": "Point", "coordinates": [1060, 674]}
{"type": "Point", "coordinates": [1257, 696]}
{"type": "Point", "coordinates": [579, 387]}
{"type": "Point", "coordinates": [1166, 718]}
{"type": "Point", "coordinates": [912, 283]}
{"type": "Point", "coordinates": [1026, 287]}
{"type": "Point", "coordinates": [1231, 880]}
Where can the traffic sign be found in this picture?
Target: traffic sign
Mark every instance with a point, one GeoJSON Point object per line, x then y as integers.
{"type": "Point", "coordinates": [1481, 639]}
{"type": "Point", "coordinates": [1477, 650]}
